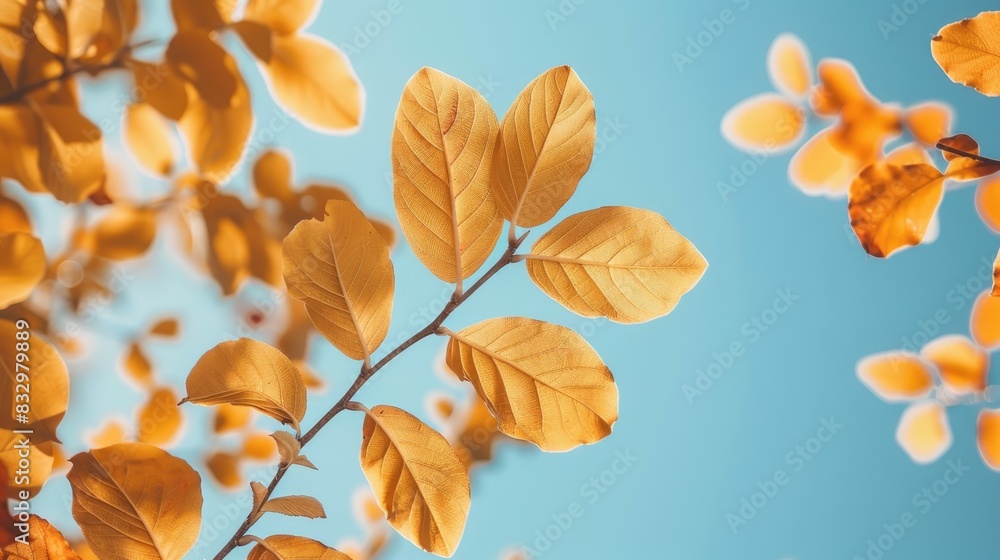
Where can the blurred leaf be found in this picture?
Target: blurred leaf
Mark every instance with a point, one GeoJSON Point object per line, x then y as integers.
{"type": "Point", "coordinates": [340, 268]}
{"type": "Point", "coordinates": [125, 233]}
{"type": "Point", "coordinates": [45, 542]}
{"type": "Point", "coordinates": [896, 376]}
{"type": "Point", "coordinates": [627, 264]}
{"type": "Point", "coordinates": [133, 500]}
{"type": "Point", "coordinates": [258, 38]}
{"type": "Point", "coordinates": [168, 327]}
{"type": "Point", "coordinates": [247, 372]}
{"type": "Point", "coordinates": [159, 420]}
{"type": "Point", "coordinates": [543, 382]}
{"type": "Point", "coordinates": [442, 148]}
{"type": "Point", "coordinates": [206, 65]}
{"type": "Point", "coordinates": [41, 459]}
{"type": "Point", "coordinates": [789, 66]}
{"type": "Point", "coordinates": [49, 385]}
{"type": "Point", "coordinates": [969, 52]}
{"type": "Point", "coordinates": [417, 479]}
{"type": "Point", "coordinates": [984, 325]}
{"type": "Point", "coordinates": [225, 469]}
{"type": "Point", "coordinates": [988, 203]}
{"type": "Point", "coordinates": [200, 14]}
{"type": "Point", "coordinates": [229, 418]}
{"type": "Point", "coordinates": [217, 136]}
{"type": "Point", "coordinates": [259, 447]}
{"type": "Point", "coordinates": [923, 432]}
{"type": "Point", "coordinates": [767, 122]}
{"type": "Point", "coordinates": [22, 267]}
{"type": "Point", "coordinates": [819, 168]}
{"type": "Point", "coordinates": [137, 365]}
{"type": "Point", "coordinates": [544, 148]}
{"type": "Point", "coordinates": [964, 168]}
{"type": "Point", "coordinates": [71, 153]}
{"type": "Point", "coordinates": [161, 87]}
{"type": "Point", "coordinates": [283, 16]}
{"type": "Point", "coordinates": [147, 136]}
{"type": "Point", "coordinates": [962, 365]}
{"type": "Point", "coordinates": [272, 175]}
{"type": "Point", "coordinates": [295, 548]}
{"type": "Point", "coordinates": [988, 437]}
{"type": "Point", "coordinates": [929, 122]}
{"type": "Point", "coordinates": [13, 218]}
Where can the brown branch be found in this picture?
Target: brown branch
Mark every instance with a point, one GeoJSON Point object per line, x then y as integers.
{"type": "Point", "coordinates": [946, 148]}
{"type": "Point", "coordinates": [366, 374]}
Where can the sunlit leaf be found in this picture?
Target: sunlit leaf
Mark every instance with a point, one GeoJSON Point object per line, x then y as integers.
{"type": "Point", "coordinates": [442, 148]}
{"type": "Point", "coordinates": [257, 37]}
{"type": "Point", "coordinates": [45, 542]}
{"type": "Point", "coordinates": [49, 384]}
{"type": "Point", "coordinates": [247, 372]}
{"type": "Point", "coordinates": [216, 136]}
{"type": "Point", "coordinates": [133, 500]}
{"type": "Point", "coordinates": [896, 376]}
{"type": "Point", "coordinates": [20, 135]}
{"type": "Point", "coordinates": [962, 365]}
{"type": "Point", "coordinates": [988, 203]}
{"type": "Point", "coordinates": [229, 418]}
{"type": "Point", "coordinates": [988, 437]}
{"type": "Point", "coordinates": [13, 218]}
{"type": "Point", "coordinates": [272, 175]}
{"type": "Point", "coordinates": [168, 327]}
{"type": "Point", "coordinates": [984, 325]}
{"type": "Point", "coordinates": [544, 148]}
{"type": "Point", "coordinates": [969, 52]}
{"type": "Point", "coordinates": [839, 85]}
{"type": "Point", "coordinates": [924, 432]}
{"type": "Point", "coordinates": [929, 122]}
{"type": "Point", "coordinates": [111, 433]}
{"type": "Point", "coordinates": [767, 122]}
{"type": "Point", "coordinates": [891, 206]}
{"type": "Point", "coordinates": [295, 548]}
{"type": "Point", "coordinates": [162, 87]}
{"type": "Point", "coordinates": [340, 269]}
{"type": "Point", "coordinates": [626, 264]}
{"type": "Point", "coordinates": [315, 81]}
{"type": "Point", "coordinates": [40, 459]}
{"type": "Point", "coordinates": [199, 14]}
{"type": "Point", "coordinates": [965, 168]}
{"type": "Point", "coordinates": [71, 152]}
{"type": "Point", "coordinates": [125, 233]}
{"type": "Point", "coordinates": [137, 365]}
{"type": "Point", "coordinates": [543, 382]}
{"type": "Point", "coordinates": [225, 469]}
{"type": "Point", "coordinates": [148, 138]}
{"type": "Point", "coordinates": [283, 16]}
{"type": "Point", "coordinates": [204, 64]}
{"type": "Point", "coordinates": [417, 479]}
{"type": "Point", "coordinates": [22, 267]}
{"type": "Point", "coordinates": [159, 420]}
{"type": "Point", "coordinates": [819, 168]}
{"type": "Point", "coordinates": [295, 506]}
{"type": "Point", "coordinates": [259, 446]}
{"type": "Point", "coordinates": [789, 66]}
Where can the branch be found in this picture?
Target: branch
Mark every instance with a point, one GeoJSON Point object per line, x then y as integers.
{"type": "Point", "coordinates": [366, 374]}
{"type": "Point", "coordinates": [945, 148]}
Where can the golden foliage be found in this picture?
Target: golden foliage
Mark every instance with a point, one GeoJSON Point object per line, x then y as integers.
{"type": "Point", "coordinates": [288, 547]}
{"type": "Point", "coordinates": [962, 365]}
{"type": "Point", "coordinates": [134, 500]}
{"type": "Point", "coordinates": [969, 52]}
{"type": "Point", "coordinates": [988, 437]}
{"type": "Point", "coordinates": [45, 542]}
{"type": "Point", "coordinates": [543, 382]}
{"type": "Point", "coordinates": [22, 266]}
{"type": "Point", "coordinates": [923, 432]}
{"type": "Point", "coordinates": [49, 384]}
{"type": "Point", "coordinates": [417, 478]}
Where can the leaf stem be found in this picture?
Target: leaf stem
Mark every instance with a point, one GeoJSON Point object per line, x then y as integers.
{"type": "Point", "coordinates": [945, 148]}
{"type": "Point", "coordinates": [368, 372]}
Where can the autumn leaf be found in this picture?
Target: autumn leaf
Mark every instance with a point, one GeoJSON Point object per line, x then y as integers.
{"type": "Point", "coordinates": [543, 382]}
{"type": "Point", "coordinates": [988, 437]}
{"type": "Point", "coordinates": [225, 469]}
{"type": "Point", "coordinates": [282, 16]}
{"type": "Point", "coordinates": [216, 136]}
{"type": "Point", "coordinates": [137, 365]}
{"type": "Point", "coordinates": [259, 446]}
{"type": "Point", "coordinates": [820, 168]}
{"type": "Point", "coordinates": [294, 548]}
{"type": "Point", "coordinates": [891, 206]}
{"type": "Point", "coordinates": [168, 327]}
{"type": "Point", "coordinates": [148, 138]}
{"type": "Point", "coordinates": [969, 52]}
{"type": "Point", "coordinates": [258, 38]}
{"type": "Point", "coordinates": [442, 149]}
{"type": "Point", "coordinates": [49, 382]}
{"type": "Point", "coordinates": [896, 376]}
{"type": "Point", "coordinates": [928, 122]}
{"type": "Point", "coordinates": [923, 432]}
{"type": "Point", "coordinates": [199, 14]}
{"type": "Point", "coordinates": [247, 372]}
{"type": "Point", "coordinates": [545, 146]}
{"type": "Point", "coordinates": [627, 264]}
{"type": "Point", "coordinates": [417, 479]}
{"type": "Point", "coordinates": [340, 269]}
{"type": "Point", "coordinates": [125, 233]}
{"type": "Point", "coordinates": [45, 542]}
{"type": "Point", "coordinates": [159, 420]}
{"type": "Point", "coordinates": [229, 418]}
{"type": "Point", "coordinates": [788, 65]}
{"type": "Point", "coordinates": [272, 175]}
{"type": "Point", "coordinates": [161, 86]}
{"type": "Point", "coordinates": [13, 218]}
{"type": "Point", "coordinates": [295, 506]}
{"type": "Point", "coordinates": [41, 459]}
{"type": "Point", "coordinates": [133, 500]}
{"type": "Point", "coordinates": [767, 122]}
{"type": "Point", "coordinates": [70, 152]}
{"type": "Point", "coordinates": [20, 136]}
{"type": "Point", "coordinates": [962, 365]}
{"type": "Point", "coordinates": [965, 167]}
{"type": "Point", "coordinates": [984, 324]}
{"type": "Point", "coordinates": [22, 267]}
{"type": "Point", "coordinates": [988, 203]}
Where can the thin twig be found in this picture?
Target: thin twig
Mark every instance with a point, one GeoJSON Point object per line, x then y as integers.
{"type": "Point", "coordinates": [366, 374]}
{"type": "Point", "coordinates": [957, 152]}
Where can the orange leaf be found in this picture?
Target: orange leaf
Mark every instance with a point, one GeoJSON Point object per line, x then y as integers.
{"type": "Point", "coordinates": [962, 365]}
{"type": "Point", "coordinates": [928, 122]}
{"type": "Point", "coordinates": [984, 325]}
{"type": "Point", "coordinates": [159, 420]}
{"type": "Point", "coordinates": [789, 66]}
{"type": "Point", "coordinates": [988, 437]}
{"type": "Point", "coordinates": [988, 203]}
{"type": "Point", "coordinates": [923, 432]}
{"type": "Point", "coordinates": [896, 376]}
{"type": "Point", "coordinates": [819, 168]}
{"type": "Point", "coordinates": [969, 52]}
{"type": "Point", "coordinates": [766, 122]}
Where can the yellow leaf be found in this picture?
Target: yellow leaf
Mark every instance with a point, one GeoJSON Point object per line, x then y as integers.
{"type": "Point", "coordinates": [623, 263]}
{"type": "Point", "coordinates": [417, 479]}
{"type": "Point", "coordinates": [161, 87]}
{"type": "Point", "coordinates": [45, 542]}
{"type": "Point", "coordinates": [113, 432]}
{"type": "Point", "coordinates": [295, 506]}
{"type": "Point", "coordinates": [839, 85]}
{"type": "Point", "coordinates": [929, 122]}
{"type": "Point", "coordinates": [168, 327]}
{"type": "Point", "coordinates": [137, 365]}
{"type": "Point", "coordinates": [216, 136]}
{"type": "Point", "coordinates": [148, 138]}
{"type": "Point", "coordinates": [315, 81]}
{"type": "Point", "coordinates": [125, 233]}
{"type": "Point", "coordinates": [159, 420]}
{"type": "Point", "coordinates": [70, 31]}
{"type": "Point", "coordinates": [340, 269]}
{"type": "Point", "coordinates": [544, 148]}
{"type": "Point", "coordinates": [891, 206]}
{"type": "Point", "coordinates": [22, 267]}
{"type": "Point", "coordinates": [923, 432]}
{"type": "Point", "coordinates": [543, 382]}
{"type": "Point", "coordinates": [984, 325]}
{"type": "Point", "coordinates": [442, 148]}
{"type": "Point", "coordinates": [13, 218]}
{"type": "Point", "coordinates": [258, 38]}
{"type": "Point", "coordinates": [20, 135]}
{"type": "Point", "coordinates": [988, 203]}
{"type": "Point", "coordinates": [988, 437]}
{"type": "Point", "coordinates": [969, 52]}
{"type": "Point", "coordinates": [908, 154]}
{"type": "Point", "coordinates": [272, 175]}
{"type": "Point", "coordinates": [133, 500]}
{"type": "Point", "coordinates": [789, 66]}
{"type": "Point", "coordinates": [206, 65]}
{"type": "Point", "coordinates": [247, 372]}
{"type": "Point", "coordinates": [283, 16]}
{"type": "Point", "coordinates": [225, 469]}
{"type": "Point", "coordinates": [229, 418]}
{"type": "Point", "coordinates": [767, 122]}
{"type": "Point", "coordinates": [41, 460]}
{"type": "Point", "coordinates": [200, 14]}
{"type": "Point", "coordinates": [896, 376]}
{"type": "Point", "coordinates": [239, 244]}
{"type": "Point", "coordinates": [962, 365]}
{"type": "Point", "coordinates": [71, 153]}
{"type": "Point", "coordinates": [294, 548]}
{"type": "Point", "coordinates": [288, 447]}
{"type": "Point", "coordinates": [49, 383]}
{"type": "Point", "coordinates": [259, 447]}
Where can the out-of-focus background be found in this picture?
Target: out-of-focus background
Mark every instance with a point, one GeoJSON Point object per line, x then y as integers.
{"type": "Point", "coordinates": [775, 255]}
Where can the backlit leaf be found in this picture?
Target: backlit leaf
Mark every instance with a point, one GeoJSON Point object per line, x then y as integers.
{"type": "Point", "coordinates": [168, 327]}
{"type": "Point", "coordinates": [159, 420]}
{"type": "Point", "coordinates": [247, 372]}
{"type": "Point", "coordinates": [20, 135]}
{"type": "Point", "coordinates": [283, 16]}
{"type": "Point", "coordinates": [767, 122]}
{"type": "Point", "coordinates": [272, 175]}
{"type": "Point", "coordinates": [133, 500]}
{"type": "Point", "coordinates": [896, 376]}
{"type": "Point", "coordinates": [148, 138]}
{"type": "Point", "coordinates": [295, 506]}
{"type": "Point", "coordinates": [819, 168]}
{"type": "Point", "coordinates": [544, 148]}
{"type": "Point", "coordinates": [198, 14]}
{"type": "Point", "coordinates": [442, 148]}
{"type": "Point", "coordinates": [924, 432]}
{"type": "Point", "coordinates": [417, 479]}
{"type": "Point", "coordinates": [71, 153]}
{"type": "Point", "coordinates": [988, 437]}
{"type": "Point", "coordinates": [839, 85]}
{"type": "Point", "coordinates": [965, 168]}
{"type": "Point", "coordinates": [49, 385]}
{"type": "Point", "coordinates": [969, 52]}
{"type": "Point", "coordinates": [204, 64]}
{"type": "Point", "coordinates": [340, 269]}
{"type": "Point", "coordinates": [891, 206]}
{"type": "Point", "coordinates": [45, 542]}
{"type": "Point", "coordinates": [789, 66]}
{"type": "Point", "coordinates": [216, 136]}
{"type": "Point", "coordinates": [258, 38]}
{"type": "Point", "coordinates": [543, 382]}
{"type": "Point", "coordinates": [626, 264]}
{"type": "Point", "coordinates": [230, 418]}
{"type": "Point", "coordinates": [288, 446]}
{"type": "Point", "coordinates": [225, 469]}
{"type": "Point", "coordinates": [125, 233]}
{"type": "Point", "coordinates": [988, 203]}
{"type": "Point", "coordinates": [22, 267]}
{"type": "Point", "coordinates": [984, 325]}
{"type": "Point", "coordinates": [295, 548]}
{"type": "Point", "coordinates": [137, 365]}
{"type": "Point", "coordinates": [41, 460]}
{"type": "Point", "coordinates": [13, 218]}
{"type": "Point", "coordinates": [259, 446]}
{"type": "Point", "coordinates": [315, 81]}
{"type": "Point", "coordinates": [162, 87]}
{"type": "Point", "coordinates": [928, 122]}
{"type": "Point", "coordinates": [962, 365]}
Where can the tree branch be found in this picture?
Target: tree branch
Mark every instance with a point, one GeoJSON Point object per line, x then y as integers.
{"type": "Point", "coordinates": [957, 152]}
{"type": "Point", "coordinates": [366, 374]}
